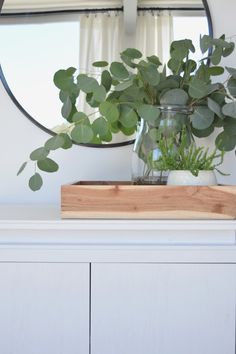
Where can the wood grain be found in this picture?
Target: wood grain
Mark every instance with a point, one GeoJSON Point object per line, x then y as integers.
{"type": "Point", "coordinates": [123, 200]}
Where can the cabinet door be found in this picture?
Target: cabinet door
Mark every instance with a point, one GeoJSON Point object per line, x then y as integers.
{"type": "Point", "coordinates": [163, 309]}
{"type": "Point", "coordinates": [44, 308]}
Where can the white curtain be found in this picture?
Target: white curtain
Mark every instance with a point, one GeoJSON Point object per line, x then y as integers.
{"type": "Point", "coordinates": [101, 37]}
{"type": "Point", "coordinates": [154, 33]}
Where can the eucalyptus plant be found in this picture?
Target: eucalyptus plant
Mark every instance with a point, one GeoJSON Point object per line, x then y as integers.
{"type": "Point", "coordinates": [134, 88]}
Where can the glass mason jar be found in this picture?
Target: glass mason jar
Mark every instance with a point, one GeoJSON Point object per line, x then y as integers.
{"type": "Point", "coordinates": [146, 168]}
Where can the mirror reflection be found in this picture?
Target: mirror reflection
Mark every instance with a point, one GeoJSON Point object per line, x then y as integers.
{"type": "Point", "coordinates": [40, 37]}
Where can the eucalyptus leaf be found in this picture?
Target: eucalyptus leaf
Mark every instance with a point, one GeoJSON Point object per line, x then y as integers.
{"type": "Point", "coordinates": [86, 84]}
{"type": "Point", "coordinates": [229, 50]}
{"type": "Point", "coordinates": [109, 110]}
{"type": "Point", "coordinates": [205, 43]}
{"type": "Point", "coordinates": [67, 141]}
{"type": "Point", "coordinates": [99, 94]}
{"type": "Point", "coordinates": [100, 64]}
{"type": "Point", "coordinates": [149, 112]}
{"type": "Point", "coordinates": [55, 142]}
{"type": "Point", "coordinates": [202, 118]}
{"type": "Point", "coordinates": [39, 154]}
{"type": "Point", "coordinates": [82, 134]}
{"type": "Point", "coordinates": [231, 85]}
{"type": "Point", "coordinates": [128, 117]}
{"type": "Point", "coordinates": [203, 133]}
{"type": "Point", "coordinates": [198, 88]}
{"type": "Point", "coordinates": [63, 79]}
{"type": "Point", "coordinates": [106, 80]}
{"type": "Point", "coordinates": [154, 60]}
{"type": "Point", "coordinates": [119, 70]}
{"type": "Point", "coordinates": [216, 70]}
{"type": "Point", "coordinates": [150, 74]}
{"type": "Point", "coordinates": [80, 117]}
{"type": "Point", "coordinates": [215, 107]}
{"type": "Point", "coordinates": [123, 85]}
{"type": "Point", "coordinates": [230, 126]}
{"type": "Point", "coordinates": [21, 169]}
{"type": "Point", "coordinates": [35, 182]}
{"type": "Point", "coordinates": [132, 53]}
{"type": "Point", "coordinates": [174, 97]}
{"type": "Point", "coordinates": [231, 71]}
{"type": "Point", "coordinates": [48, 165]}
{"type": "Point", "coordinates": [216, 55]}
{"type": "Point", "coordinates": [225, 142]}
{"type": "Point", "coordinates": [66, 108]}
{"type": "Point", "coordinates": [229, 109]}
{"type": "Point", "coordinates": [100, 127]}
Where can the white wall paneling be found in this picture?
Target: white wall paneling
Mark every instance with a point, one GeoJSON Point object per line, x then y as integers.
{"type": "Point", "coordinates": [44, 308]}
{"type": "Point", "coordinates": [170, 308]}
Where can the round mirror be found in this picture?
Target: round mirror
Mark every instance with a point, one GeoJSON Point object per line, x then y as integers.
{"type": "Point", "coordinates": [39, 37]}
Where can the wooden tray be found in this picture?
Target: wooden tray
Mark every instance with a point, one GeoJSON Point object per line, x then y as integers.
{"type": "Point", "coordinates": [123, 200]}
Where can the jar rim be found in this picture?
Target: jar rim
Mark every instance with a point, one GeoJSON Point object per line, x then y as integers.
{"type": "Point", "coordinates": [176, 108]}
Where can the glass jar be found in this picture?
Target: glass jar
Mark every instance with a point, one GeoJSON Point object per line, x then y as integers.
{"type": "Point", "coordinates": [146, 167]}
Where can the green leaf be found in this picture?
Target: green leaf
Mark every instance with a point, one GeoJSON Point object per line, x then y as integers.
{"type": "Point", "coordinates": [119, 70]}
{"type": "Point", "coordinates": [127, 61]}
{"type": "Point", "coordinates": [229, 50]}
{"type": "Point", "coordinates": [80, 117]}
{"type": "Point", "coordinates": [35, 182]}
{"type": "Point", "coordinates": [216, 70]}
{"type": "Point", "coordinates": [100, 64]}
{"type": "Point", "coordinates": [225, 142]}
{"type": "Point", "coordinates": [66, 108]}
{"type": "Point", "coordinates": [106, 80]}
{"type": "Point", "coordinates": [67, 141]}
{"type": "Point", "coordinates": [47, 165]}
{"type": "Point", "coordinates": [63, 79]}
{"type": "Point", "coordinates": [150, 74]}
{"type": "Point", "coordinates": [100, 127]}
{"type": "Point", "coordinates": [149, 113]}
{"type": "Point", "coordinates": [123, 85]}
{"type": "Point", "coordinates": [87, 84]}
{"type": "Point", "coordinates": [132, 53]}
{"type": "Point", "coordinates": [229, 109]}
{"type": "Point", "coordinates": [205, 43]}
{"type": "Point", "coordinates": [231, 85]}
{"type": "Point", "coordinates": [55, 142]}
{"type": "Point", "coordinates": [99, 93]}
{"type": "Point", "coordinates": [176, 66]}
{"type": "Point", "coordinates": [198, 88]}
{"type": "Point", "coordinates": [231, 71]}
{"type": "Point", "coordinates": [174, 97]}
{"type": "Point", "coordinates": [109, 110]}
{"type": "Point", "coordinates": [155, 60]}
{"type": "Point", "coordinates": [215, 107]}
{"type": "Point", "coordinates": [22, 168]}
{"type": "Point", "coordinates": [82, 134]}
{"type": "Point", "coordinates": [39, 154]}
{"type": "Point", "coordinates": [128, 117]}
{"type": "Point", "coordinates": [216, 56]}
{"type": "Point", "coordinates": [167, 84]}
{"type": "Point", "coordinates": [230, 126]}
{"type": "Point", "coordinates": [203, 133]}
{"type": "Point", "coordinates": [202, 118]}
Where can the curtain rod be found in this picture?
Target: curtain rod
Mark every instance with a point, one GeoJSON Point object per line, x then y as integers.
{"type": "Point", "coordinates": [101, 10]}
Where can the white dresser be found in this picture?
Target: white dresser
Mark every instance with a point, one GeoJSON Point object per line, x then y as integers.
{"type": "Point", "coordinates": [115, 286]}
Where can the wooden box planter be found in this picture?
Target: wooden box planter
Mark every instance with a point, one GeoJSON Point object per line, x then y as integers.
{"type": "Point", "coordinates": [123, 200]}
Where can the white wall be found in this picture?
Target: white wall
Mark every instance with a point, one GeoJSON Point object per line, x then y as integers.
{"type": "Point", "coordinates": [19, 137]}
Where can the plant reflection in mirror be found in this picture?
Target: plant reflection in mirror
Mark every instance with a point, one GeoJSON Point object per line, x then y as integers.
{"type": "Point", "coordinates": [134, 88]}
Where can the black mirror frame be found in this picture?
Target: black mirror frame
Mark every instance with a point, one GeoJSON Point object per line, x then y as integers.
{"type": "Point", "coordinates": [34, 121]}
